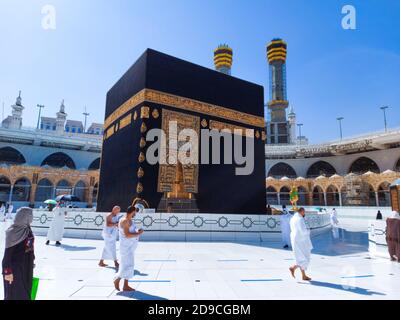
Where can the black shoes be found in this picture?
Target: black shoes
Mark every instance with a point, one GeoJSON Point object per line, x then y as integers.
{"type": "Point", "coordinates": [47, 242]}
{"type": "Point", "coordinates": [286, 247]}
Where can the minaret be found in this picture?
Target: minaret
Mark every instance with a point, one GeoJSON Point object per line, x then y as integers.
{"type": "Point", "coordinates": [223, 58]}
{"type": "Point", "coordinates": [292, 126]}
{"type": "Point", "coordinates": [276, 54]}
{"type": "Point", "coordinates": [16, 118]}
{"type": "Point", "coordinates": [61, 118]}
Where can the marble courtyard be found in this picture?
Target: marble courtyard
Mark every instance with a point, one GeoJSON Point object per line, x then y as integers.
{"type": "Point", "coordinates": [341, 268]}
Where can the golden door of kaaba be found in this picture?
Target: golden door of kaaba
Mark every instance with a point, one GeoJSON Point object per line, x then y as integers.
{"type": "Point", "coordinates": [178, 182]}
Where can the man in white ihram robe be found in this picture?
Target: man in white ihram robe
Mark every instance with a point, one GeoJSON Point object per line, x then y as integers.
{"type": "Point", "coordinates": [334, 219]}
{"type": "Point", "coordinates": [285, 227]}
{"type": "Point", "coordinates": [56, 230]}
{"type": "Point", "coordinates": [335, 224]}
{"type": "Point", "coordinates": [128, 242]}
{"type": "Point", "coordinates": [110, 235]}
{"type": "Point", "coordinates": [301, 243]}
{"type": "Point", "coordinates": [10, 211]}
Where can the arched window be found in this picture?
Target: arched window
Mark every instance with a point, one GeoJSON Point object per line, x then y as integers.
{"type": "Point", "coordinates": [11, 156]}
{"type": "Point", "coordinates": [303, 201]}
{"type": "Point", "coordinates": [363, 165]}
{"type": "Point", "coordinates": [63, 187]}
{"type": "Point", "coordinates": [44, 190]}
{"type": "Point", "coordinates": [284, 194]}
{"type": "Point", "coordinates": [95, 165]}
{"type": "Point", "coordinates": [21, 190]}
{"type": "Point", "coordinates": [384, 195]}
{"type": "Point", "coordinates": [332, 196]}
{"type": "Point", "coordinates": [282, 170]}
{"type": "Point", "coordinates": [318, 196]}
{"type": "Point", "coordinates": [5, 189]}
{"type": "Point", "coordinates": [80, 190]}
{"type": "Point", "coordinates": [321, 168]}
{"type": "Point", "coordinates": [59, 160]}
{"type": "Point", "coordinates": [95, 192]}
{"type": "Point", "coordinates": [272, 196]}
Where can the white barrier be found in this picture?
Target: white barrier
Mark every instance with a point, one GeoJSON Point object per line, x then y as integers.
{"type": "Point", "coordinates": [377, 239]}
{"type": "Point", "coordinates": [87, 224]}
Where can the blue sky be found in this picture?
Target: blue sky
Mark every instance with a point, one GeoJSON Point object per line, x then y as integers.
{"type": "Point", "coordinates": [331, 71]}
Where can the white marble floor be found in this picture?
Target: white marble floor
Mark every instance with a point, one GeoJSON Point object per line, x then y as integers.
{"type": "Point", "coordinates": [341, 269]}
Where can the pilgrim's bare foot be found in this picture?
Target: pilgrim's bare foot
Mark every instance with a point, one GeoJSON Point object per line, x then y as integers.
{"type": "Point", "coordinates": [102, 264]}
{"type": "Point", "coordinates": [116, 284]}
{"type": "Point", "coordinates": [305, 278]}
{"type": "Point", "coordinates": [292, 270]}
{"type": "Point", "coordinates": [127, 288]}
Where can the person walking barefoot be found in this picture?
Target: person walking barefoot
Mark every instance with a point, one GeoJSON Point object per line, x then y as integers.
{"type": "Point", "coordinates": [129, 239]}
{"type": "Point", "coordinates": [110, 234]}
{"type": "Point", "coordinates": [301, 244]}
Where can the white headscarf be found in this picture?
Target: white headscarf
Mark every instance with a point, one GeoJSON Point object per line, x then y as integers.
{"type": "Point", "coordinates": [21, 227]}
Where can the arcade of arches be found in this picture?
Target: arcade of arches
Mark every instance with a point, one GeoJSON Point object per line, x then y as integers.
{"type": "Point", "coordinates": [364, 184]}
{"type": "Point", "coordinates": [334, 190]}
{"type": "Point", "coordinates": [37, 184]}
{"type": "Point", "coordinates": [324, 169]}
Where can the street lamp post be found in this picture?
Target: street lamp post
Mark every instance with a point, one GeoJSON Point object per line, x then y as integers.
{"type": "Point", "coordinates": [340, 119]}
{"type": "Point", "coordinates": [300, 125]}
{"type": "Point", "coordinates": [384, 116]}
{"type": "Point", "coordinates": [40, 112]}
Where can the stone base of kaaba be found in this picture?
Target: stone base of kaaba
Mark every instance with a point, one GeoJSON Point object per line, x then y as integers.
{"type": "Point", "coordinates": [178, 205]}
{"type": "Point", "coordinates": [87, 224]}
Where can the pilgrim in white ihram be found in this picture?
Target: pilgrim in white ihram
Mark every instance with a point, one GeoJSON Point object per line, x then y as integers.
{"type": "Point", "coordinates": [128, 242]}
{"type": "Point", "coordinates": [56, 230]}
{"type": "Point", "coordinates": [301, 243]}
{"type": "Point", "coordinates": [110, 235]}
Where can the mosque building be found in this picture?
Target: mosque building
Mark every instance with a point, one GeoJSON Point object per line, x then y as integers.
{"type": "Point", "coordinates": [57, 157]}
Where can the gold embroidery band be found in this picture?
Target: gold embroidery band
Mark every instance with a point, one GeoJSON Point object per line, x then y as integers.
{"type": "Point", "coordinates": [216, 125]}
{"type": "Point", "coordinates": [182, 103]}
{"type": "Point", "coordinates": [126, 121]}
{"type": "Point", "coordinates": [109, 132]}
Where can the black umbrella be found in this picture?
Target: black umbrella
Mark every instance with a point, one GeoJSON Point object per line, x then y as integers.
{"type": "Point", "coordinates": [68, 198]}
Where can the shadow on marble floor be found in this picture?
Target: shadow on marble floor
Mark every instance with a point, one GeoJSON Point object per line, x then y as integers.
{"type": "Point", "coordinates": [139, 295]}
{"type": "Point", "coordinates": [76, 248]}
{"type": "Point", "coordinates": [140, 274]}
{"type": "Point", "coordinates": [338, 243]}
{"type": "Point", "coordinates": [356, 290]}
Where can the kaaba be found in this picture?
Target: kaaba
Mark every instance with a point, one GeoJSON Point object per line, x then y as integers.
{"type": "Point", "coordinates": [158, 89]}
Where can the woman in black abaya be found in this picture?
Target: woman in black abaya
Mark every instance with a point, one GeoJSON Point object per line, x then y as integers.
{"type": "Point", "coordinates": [19, 257]}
